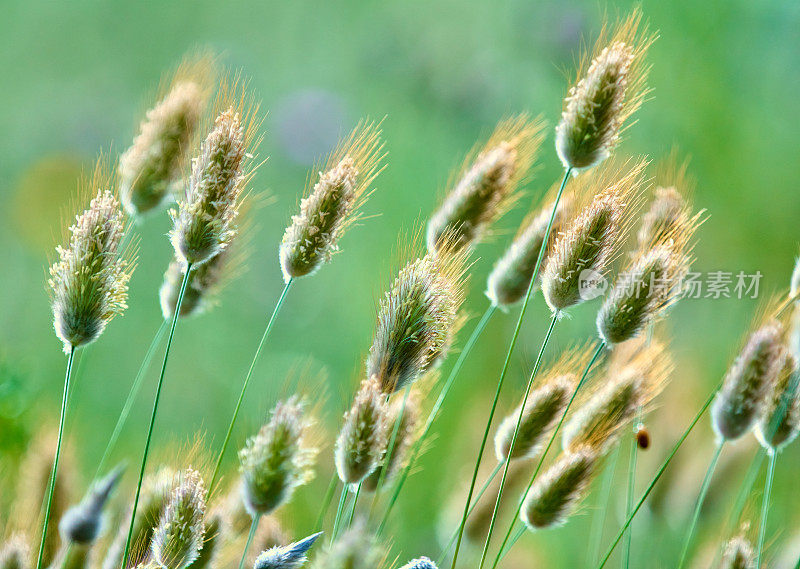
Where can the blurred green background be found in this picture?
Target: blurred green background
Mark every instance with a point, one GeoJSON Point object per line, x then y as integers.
{"type": "Point", "coordinates": [77, 77]}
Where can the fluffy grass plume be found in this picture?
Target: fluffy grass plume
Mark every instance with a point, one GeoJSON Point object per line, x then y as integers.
{"type": "Point", "coordinates": [152, 168]}
{"type": "Point", "coordinates": [15, 554]}
{"type": "Point", "coordinates": [592, 239]}
{"type": "Point", "coordinates": [205, 221]}
{"type": "Point", "coordinates": [738, 554]}
{"type": "Point", "coordinates": [81, 524]}
{"type": "Point", "coordinates": [508, 281]}
{"type": "Point", "coordinates": [738, 403]}
{"type": "Point", "coordinates": [779, 420]}
{"type": "Point", "coordinates": [333, 204]}
{"type": "Point", "coordinates": [290, 556]}
{"type": "Point", "coordinates": [416, 319]}
{"type": "Point", "coordinates": [357, 548]}
{"type": "Point", "coordinates": [487, 183]}
{"type": "Point", "coordinates": [155, 494]}
{"type": "Point", "coordinates": [649, 284]}
{"type": "Point", "coordinates": [408, 416]}
{"type": "Point", "coordinates": [610, 86]}
{"type": "Point", "coordinates": [544, 407]}
{"type": "Point", "coordinates": [277, 460]}
{"type": "Point", "coordinates": [363, 437]}
{"type": "Point", "coordinates": [89, 281]}
{"type": "Point", "coordinates": [671, 204]}
{"type": "Point", "coordinates": [178, 537]}
{"type": "Point", "coordinates": [554, 495]}
{"type": "Point", "coordinates": [633, 381]}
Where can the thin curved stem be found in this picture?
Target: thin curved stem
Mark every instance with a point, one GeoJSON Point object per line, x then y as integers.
{"type": "Point", "coordinates": [389, 451]}
{"type": "Point", "coordinates": [154, 413]}
{"type": "Point", "coordinates": [578, 387]}
{"type": "Point", "coordinates": [339, 511]}
{"type": "Point", "coordinates": [250, 536]}
{"type": "Point", "coordinates": [659, 474]}
{"type": "Point", "coordinates": [215, 476]}
{"type": "Point", "coordinates": [699, 505]}
{"type": "Point", "coordinates": [762, 531]}
{"type": "Point", "coordinates": [600, 514]}
{"type": "Point", "coordinates": [353, 507]}
{"type": "Point", "coordinates": [52, 485]}
{"type": "Point", "coordinates": [326, 502]}
{"type": "Point", "coordinates": [414, 454]}
{"type": "Point", "coordinates": [510, 351]}
{"type": "Point", "coordinates": [495, 471]}
{"type": "Point", "coordinates": [534, 371]}
{"type": "Point", "coordinates": [632, 461]}
{"type": "Point", "coordinates": [132, 394]}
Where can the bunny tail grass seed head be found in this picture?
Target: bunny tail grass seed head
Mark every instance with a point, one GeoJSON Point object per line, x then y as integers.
{"type": "Point", "coordinates": [738, 554]}
{"type": "Point", "coordinates": [205, 221]}
{"type": "Point", "coordinates": [738, 403]}
{"type": "Point", "coordinates": [421, 563]}
{"type": "Point", "coordinates": [14, 553]}
{"type": "Point", "coordinates": [151, 168]}
{"type": "Point", "coordinates": [408, 416]}
{"type": "Point", "coordinates": [156, 491]}
{"type": "Point", "coordinates": [554, 495]}
{"type": "Point", "coordinates": [277, 460]}
{"type": "Point", "coordinates": [649, 285]}
{"type": "Point", "coordinates": [630, 386]}
{"type": "Point", "coordinates": [354, 549]}
{"type": "Point", "coordinates": [333, 204]}
{"type": "Point", "coordinates": [81, 524]}
{"type": "Point", "coordinates": [178, 537]}
{"type": "Point", "coordinates": [779, 422]}
{"type": "Point", "coordinates": [508, 282]}
{"type": "Point", "coordinates": [487, 185]}
{"type": "Point", "coordinates": [609, 89]}
{"type": "Point", "coordinates": [89, 281]}
{"type": "Point", "coordinates": [589, 243]}
{"type": "Point", "coordinates": [290, 556]}
{"type": "Point", "coordinates": [362, 440]}
{"type": "Point", "coordinates": [671, 206]}
{"type": "Point", "coordinates": [542, 411]}
{"type": "Point", "coordinates": [416, 319]}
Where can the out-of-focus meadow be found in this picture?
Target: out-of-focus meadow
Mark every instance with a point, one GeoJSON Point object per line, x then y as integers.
{"type": "Point", "coordinates": [78, 75]}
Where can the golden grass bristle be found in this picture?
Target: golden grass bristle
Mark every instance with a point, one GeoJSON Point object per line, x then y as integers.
{"type": "Point", "coordinates": [650, 283]}
{"type": "Point", "coordinates": [416, 319]}
{"type": "Point", "coordinates": [178, 537]}
{"type": "Point", "coordinates": [610, 86]}
{"type": "Point", "coordinates": [591, 240]}
{"type": "Point", "coordinates": [544, 407]}
{"type": "Point", "coordinates": [555, 494]}
{"type": "Point", "coordinates": [671, 204]}
{"type": "Point", "coordinates": [334, 202]}
{"type": "Point", "coordinates": [89, 280]}
{"type": "Point", "coordinates": [206, 218]}
{"type": "Point", "coordinates": [154, 166]}
{"type": "Point", "coordinates": [631, 384]}
{"type": "Point", "coordinates": [487, 184]}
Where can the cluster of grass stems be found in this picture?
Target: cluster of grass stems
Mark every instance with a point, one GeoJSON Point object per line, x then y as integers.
{"type": "Point", "coordinates": [197, 148]}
